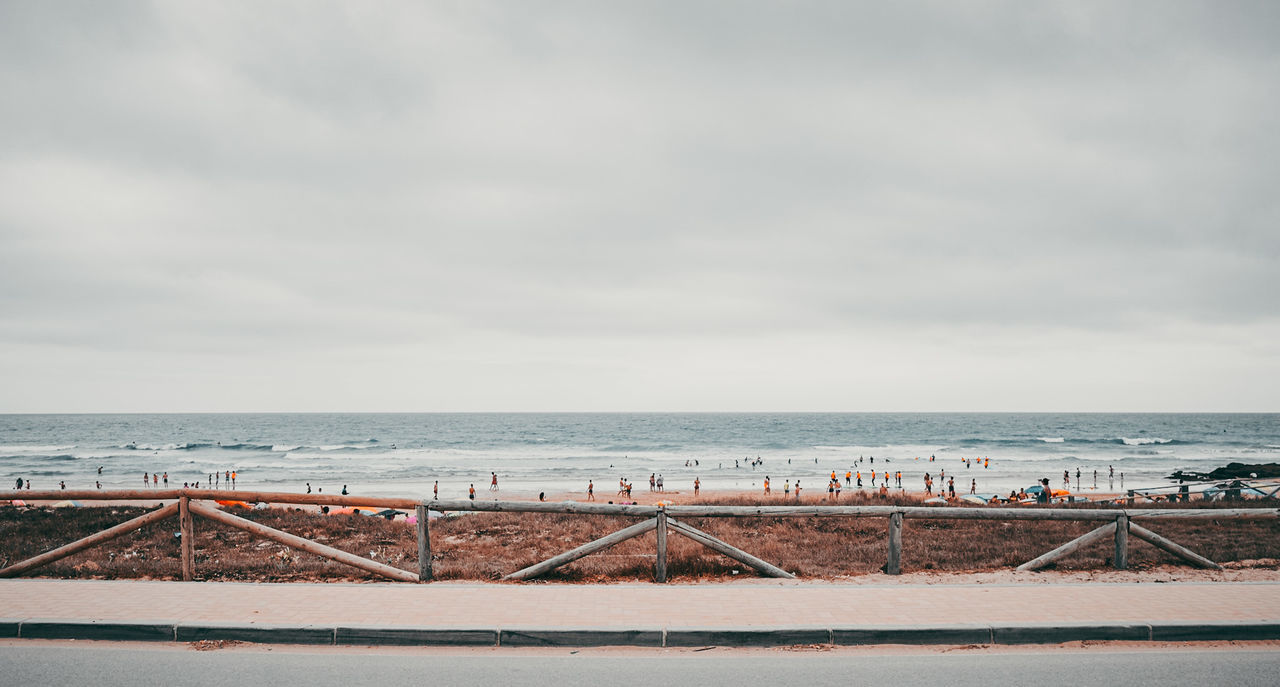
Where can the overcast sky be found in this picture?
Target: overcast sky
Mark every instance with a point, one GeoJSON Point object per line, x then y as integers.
{"type": "Point", "coordinates": [381, 206]}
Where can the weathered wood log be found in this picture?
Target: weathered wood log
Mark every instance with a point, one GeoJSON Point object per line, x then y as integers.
{"type": "Point", "coordinates": [90, 541]}
{"type": "Point", "coordinates": [763, 567]}
{"type": "Point", "coordinates": [92, 495]}
{"type": "Point", "coordinates": [424, 543]}
{"type": "Point", "coordinates": [894, 564]}
{"type": "Point", "coordinates": [188, 531]}
{"type": "Point", "coordinates": [1164, 544]}
{"type": "Point", "coordinates": [1203, 514]}
{"type": "Point", "coordinates": [1121, 560]}
{"type": "Point", "coordinates": [660, 565]}
{"type": "Point", "coordinates": [1068, 548]}
{"type": "Point", "coordinates": [570, 507]}
{"type": "Point", "coordinates": [584, 550]}
{"type": "Point", "coordinates": [302, 544]}
{"type": "Point", "coordinates": [573, 507]}
{"type": "Point", "coordinates": [910, 512]}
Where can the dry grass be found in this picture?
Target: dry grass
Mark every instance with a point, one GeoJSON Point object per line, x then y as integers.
{"type": "Point", "coordinates": [485, 546]}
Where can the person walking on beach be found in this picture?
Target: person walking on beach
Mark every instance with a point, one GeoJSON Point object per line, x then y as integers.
{"type": "Point", "coordinates": [591, 491]}
{"type": "Point", "coordinates": [493, 483]}
{"type": "Point", "coordinates": [786, 488]}
{"type": "Point", "coordinates": [797, 491]}
{"type": "Point", "coordinates": [973, 487]}
{"type": "Point", "coordinates": [166, 478]}
{"type": "Point", "coordinates": [435, 490]}
{"type": "Point", "coordinates": [766, 485]}
{"type": "Point", "coordinates": [233, 479]}
{"type": "Point", "coordinates": [472, 493]}
{"type": "Point", "coordinates": [146, 479]}
{"type": "Point", "coordinates": [697, 485]}
{"type": "Point", "coordinates": [660, 487]}
{"type": "Point", "coordinates": [653, 482]}
{"type": "Point", "coordinates": [848, 478]}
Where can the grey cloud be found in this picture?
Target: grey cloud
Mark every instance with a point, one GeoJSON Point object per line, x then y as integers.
{"type": "Point", "coordinates": [238, 176]}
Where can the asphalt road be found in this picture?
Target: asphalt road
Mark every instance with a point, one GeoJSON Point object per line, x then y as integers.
{"type": "Point", "coordinates": [107, 665]}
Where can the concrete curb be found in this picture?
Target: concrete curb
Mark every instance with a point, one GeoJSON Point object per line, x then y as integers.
{"type": "Point", "coordinates": [1003, 634]}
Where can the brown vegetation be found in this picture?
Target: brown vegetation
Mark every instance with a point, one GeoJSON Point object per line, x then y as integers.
{"type": "Point", "coordinates": [485, 546]}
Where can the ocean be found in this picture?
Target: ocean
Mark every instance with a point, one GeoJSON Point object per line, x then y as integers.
{"type": "Point", "coordinates": [404, 454]}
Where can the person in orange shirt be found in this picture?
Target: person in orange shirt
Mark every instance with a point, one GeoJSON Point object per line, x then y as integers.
{"type": "Point", "coordinates": [766, 485]}
{"type": "Point", "coordinates": [848, 477]}
{"type": "Point", "coordinates": [697, 484]}
{"type": "Point", "coordinates": [472, 492]}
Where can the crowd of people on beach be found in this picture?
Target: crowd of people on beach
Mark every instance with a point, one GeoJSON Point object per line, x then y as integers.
{"type": "Point", "coordinates": [861, 474]}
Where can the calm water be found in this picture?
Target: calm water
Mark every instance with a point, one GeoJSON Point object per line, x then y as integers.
{"type": "Point", "coordinates": [405, 453]}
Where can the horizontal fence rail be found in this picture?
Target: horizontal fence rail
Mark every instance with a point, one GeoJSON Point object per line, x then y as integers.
{"type": "Point", "coordinates": [186, 503]}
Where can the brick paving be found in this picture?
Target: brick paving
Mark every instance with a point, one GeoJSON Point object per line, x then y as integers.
{"type": "Point", "coordinates": [749, 604]}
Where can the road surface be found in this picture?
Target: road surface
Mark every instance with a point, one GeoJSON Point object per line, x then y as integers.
{"type": "Point", "coordinates": [25, 662]}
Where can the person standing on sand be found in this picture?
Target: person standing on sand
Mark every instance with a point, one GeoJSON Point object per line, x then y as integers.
{"type": "Point", "coordinates": [697, 485]}
{"type": "Point", "coordinates": [660, 487]}
{"type": "Point", "coordinates": [766, 485]}
{"type": "Point", "coordinates": [166, 478]}
{"type": "Point", "coordinates": [1045, 493]}
{"type": "Point", "coordinates": [472, 493]}
{"type": "Point", "coordinates": [786, 488]}
{"type": "Point", "coordinates": [653, 482]}
{"type": "Point", "coordinates": [973, 487]}
{"type": "Point", "coordinates": [591, 491]}
{"type": "Point", "coordinates": [308, 487]}
{"type": "Point", "coordinates": [493, 483]}
{"type": "Point", "coordinates": [435, 490]}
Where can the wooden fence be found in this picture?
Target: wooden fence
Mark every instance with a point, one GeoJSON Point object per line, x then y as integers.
{"type": "Point", "coordinates": [1116, 524]}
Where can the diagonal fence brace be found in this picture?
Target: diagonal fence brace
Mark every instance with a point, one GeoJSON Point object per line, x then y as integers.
{"type": "Point", "coordinates": [763, 567]}
{"type": "Point", "coordinates": [585, 550]}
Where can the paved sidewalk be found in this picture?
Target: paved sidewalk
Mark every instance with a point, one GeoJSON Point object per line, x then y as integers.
{"type": "Point", "coordinates": [744, 613]}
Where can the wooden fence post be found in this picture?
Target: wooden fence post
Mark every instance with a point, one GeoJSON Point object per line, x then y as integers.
{"type": "Point", "coordinates": [894, 565]}
{"type": "Point", "coordinates": [187, 527]}
{"type": "Point", "coordinates": [424, 543]}
{"type": "Point", "coordinates": [660, 567]}
{"type": "Point", "coordinates": [1122, 543]}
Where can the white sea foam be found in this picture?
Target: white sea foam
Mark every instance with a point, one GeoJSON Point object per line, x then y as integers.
{"type": "Point", "coordinates": [1144, 441]}
{"type": "Point", "coordinates": [1052, 440]}
{"type": "Point", "coordinates": [284, 448]}
{"type": "Point", "coordinates": [23, 449]}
